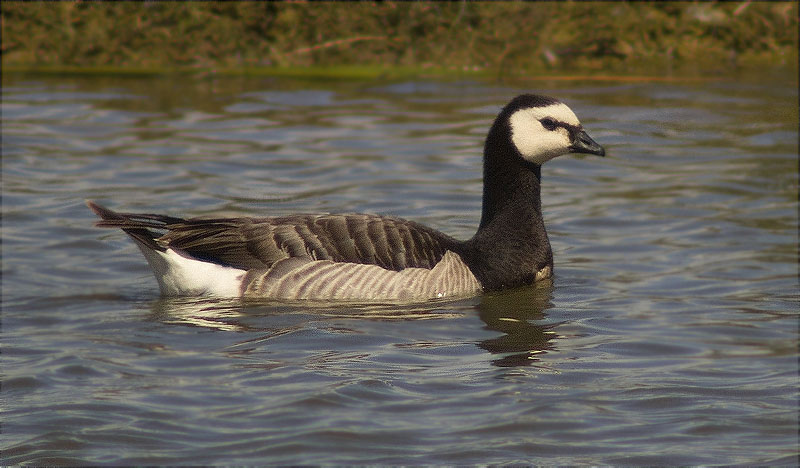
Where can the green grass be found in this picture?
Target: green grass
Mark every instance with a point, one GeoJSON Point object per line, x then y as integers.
{"type": "Point", "coordinates": [368, 40]}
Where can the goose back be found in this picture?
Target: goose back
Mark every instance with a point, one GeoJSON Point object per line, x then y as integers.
{"type": "Point", "coordinates": [257, 243]}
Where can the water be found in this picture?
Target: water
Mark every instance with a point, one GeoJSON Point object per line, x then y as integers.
{"type": "Point", "coordinates": [668, 335]}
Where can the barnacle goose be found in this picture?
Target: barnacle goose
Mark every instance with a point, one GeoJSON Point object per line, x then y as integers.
{"type": "Point", "coordinates": [362, 257]}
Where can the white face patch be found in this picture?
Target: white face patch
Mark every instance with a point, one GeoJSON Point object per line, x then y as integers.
{"type": "Point", "coordinates": [534, 142]}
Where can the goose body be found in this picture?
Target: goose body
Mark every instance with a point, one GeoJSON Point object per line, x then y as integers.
{"type": "Point", "coordinates": [360, 257]}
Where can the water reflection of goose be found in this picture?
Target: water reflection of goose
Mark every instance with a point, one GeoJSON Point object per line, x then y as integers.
{"type": "Point", "coordinates": [248, 315]}
{"type": "Point", "coordinates": [375, 258]}
{"type": "Point", "coordinates": [511, 313]}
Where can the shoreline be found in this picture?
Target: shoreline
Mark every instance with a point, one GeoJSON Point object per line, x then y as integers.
{"type": "Point", "coordinates": [367, 40]}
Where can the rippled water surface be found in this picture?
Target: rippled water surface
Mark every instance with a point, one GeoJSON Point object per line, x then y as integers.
{"type": "Point", "coordinates": [668, 335]}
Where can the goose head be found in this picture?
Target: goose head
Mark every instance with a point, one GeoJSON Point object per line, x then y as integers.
{"type": "Point", "coordinates": [541, 128]}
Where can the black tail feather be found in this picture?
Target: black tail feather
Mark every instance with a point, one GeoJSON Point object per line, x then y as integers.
{"type": "Point", "coordinates": [111, 218]}
{"type": "Point", "coordinates": [136, 225]}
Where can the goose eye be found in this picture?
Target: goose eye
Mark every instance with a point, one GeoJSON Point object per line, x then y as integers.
{"type": "Point", "coordinates": [548, 123]}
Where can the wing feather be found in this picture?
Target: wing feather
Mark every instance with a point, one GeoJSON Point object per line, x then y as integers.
{"type": "Point", "coordinates": [258, 243]}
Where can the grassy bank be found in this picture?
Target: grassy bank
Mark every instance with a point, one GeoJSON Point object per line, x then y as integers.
{"type": "Point", "coordinates": [473, 37]}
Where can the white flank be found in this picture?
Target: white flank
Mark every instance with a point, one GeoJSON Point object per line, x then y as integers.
{"type": "Point", "coordinates": [534, 142]}
{"type": "Point", "coordinates": [544, 273]}
{"type": "Point", "coordinates": [179, 275]}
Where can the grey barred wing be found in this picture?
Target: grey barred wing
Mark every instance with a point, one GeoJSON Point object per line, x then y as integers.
{"type": "Point", "coordinates": [252, 243]}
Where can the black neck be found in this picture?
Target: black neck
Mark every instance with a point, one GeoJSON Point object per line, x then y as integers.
{"type": "Point", "coordinates": [510, 188]}
{"type": "Point", "coordinates": [511, 243]}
